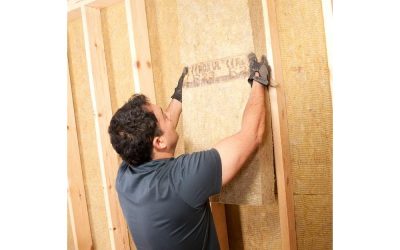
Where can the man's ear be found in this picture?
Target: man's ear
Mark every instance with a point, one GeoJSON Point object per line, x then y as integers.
{"type": "Point", "coordinates": [159, 143]}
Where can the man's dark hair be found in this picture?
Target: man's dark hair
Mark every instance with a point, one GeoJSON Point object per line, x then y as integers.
{"type": "Point", "coordinates": [132, 130]}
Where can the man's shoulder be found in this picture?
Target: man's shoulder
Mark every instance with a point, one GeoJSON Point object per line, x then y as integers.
{"type": "Point", "coordinates": [208, 155]}
{"type": "Point", "coordinates": [200, 153]}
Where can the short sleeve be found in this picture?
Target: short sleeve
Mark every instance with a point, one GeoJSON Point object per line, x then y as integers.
{"type": "Point", "coordinates": [197, 176]}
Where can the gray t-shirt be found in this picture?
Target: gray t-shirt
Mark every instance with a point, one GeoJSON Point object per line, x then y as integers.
{"type": "Point", "coordinates": [165, 202]}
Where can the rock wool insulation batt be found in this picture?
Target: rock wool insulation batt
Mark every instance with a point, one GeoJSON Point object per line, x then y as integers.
{"type": "Point", "coordinates": [215, 92]}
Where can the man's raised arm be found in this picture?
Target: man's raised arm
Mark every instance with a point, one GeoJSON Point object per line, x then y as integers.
{"type": "Point", "coordinates": [175, 106]}
{"type": "Point", "coordinates": [236, 149]}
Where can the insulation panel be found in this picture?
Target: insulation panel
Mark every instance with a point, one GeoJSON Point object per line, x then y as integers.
{"type": "Point", "coordinates": [253, 227]}
{"type": "Point", "coordinates": [216, 90]}
{"type": "Point", "coordinates": [314, 221]}
{"type": "Point", "coordinates": [309, 104]}
{"type": "Point", "coordinates": [309, 110]}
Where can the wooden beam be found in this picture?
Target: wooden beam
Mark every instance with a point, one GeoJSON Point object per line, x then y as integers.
{"type": "Point", "coordinates": [328, 17]}
{"type": "Point", "coordinates": [77, 205]}
{"type": "Point", "coordinates": [74, 14]}
{"type": "Point", "coordinates": [218, 212]}
{"type": "Point", "coordinates": [77, 4]}
{"type": "Point", "coordinates": [99, 90]}
{"type": "Point", "coordinates": [279, 129]}
{"type": "Point", "coordinates": [140, 48]}
{"type": "Point", "coordinates": [72, 221]}
{"type": "Point", "coordinates": [74, 6]}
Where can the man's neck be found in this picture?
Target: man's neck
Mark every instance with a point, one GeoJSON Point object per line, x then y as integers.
{"type": "Point", "coordinates": [162, 155]}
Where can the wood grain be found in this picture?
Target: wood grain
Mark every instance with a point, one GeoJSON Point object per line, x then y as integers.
{"type": "Point", "coordinates": [218, 212]}
{"type": "Point", "coordinates": [79, 217]}
{"type": "Point", "coordinates": [140, 48]}
{"type": "Point", "coordinates": [100, 96]}
{"type": "Point", "coordinates": [280, 130]}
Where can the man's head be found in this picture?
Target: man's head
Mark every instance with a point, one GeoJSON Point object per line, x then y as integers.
{"type": "Point", "coordinates": [141, 131]}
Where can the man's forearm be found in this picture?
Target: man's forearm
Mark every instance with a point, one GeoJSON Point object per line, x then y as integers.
{"type": "Point", "coordinates": [253, 121]}
{"type": "Point", "coordinates": [174, 111]}
{"type": "Point", "coordinates": [175, 106]}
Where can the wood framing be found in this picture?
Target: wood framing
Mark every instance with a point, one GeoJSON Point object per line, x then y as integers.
{"type": "Point", "coordinates": [279, 129]}
{"type": "Point", "coordinates": [72, 220]}
{"type": "Point", "coordinates": [140, 48]}
{"type": "Point", "coordinates": [74, 6]}
{"type": "Point", "coordinates": [99, 90]}
{"type": "Point", "coordinates": [218, 211]}
{"type": "Point", "coordinates": [77, 4]}
{"type": "Point", "coordinates": [328, 12]}
{"type": "Point", "coordinates": [77, 205]}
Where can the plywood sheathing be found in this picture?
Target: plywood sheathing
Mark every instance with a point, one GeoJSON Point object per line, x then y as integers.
{"type": "Point", "coordinates": [221, 36]}
{"type": "Point", "coordinates": [309, 110]}
{"type": "Point", "coordinates": [87, 136]}
{"type": "Point", "coordinates": [119, 66]}
{"type": "Point", "coordinates": [162, 19]}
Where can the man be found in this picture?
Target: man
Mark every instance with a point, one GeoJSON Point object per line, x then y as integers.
{"type": "Point", "coordinates": [165, 199]}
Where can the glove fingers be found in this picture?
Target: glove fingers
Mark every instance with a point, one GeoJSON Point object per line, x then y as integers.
{"type": "Point", "coordinates": [185, 71]}
{"type": "Point", "coordinates": [264, 60]}
{"type": "Point", "coordinates": [252, 57]}
{"type": "Point", "coordinates": [253, 63]}
{"type": "Point", "coordinates": [263, 70]}
{"type": "Point", "coordinates": [266, 68]}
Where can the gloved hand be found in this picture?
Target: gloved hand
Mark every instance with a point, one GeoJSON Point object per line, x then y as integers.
{"type": "Point", "coordinates": [178, 90]}
{"type": "Point", "coordinates": [261, 67]}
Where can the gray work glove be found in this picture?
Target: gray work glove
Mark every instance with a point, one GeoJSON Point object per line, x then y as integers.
{"type": "Point", "coordinates": [261, 67]}
{"type": "Point", "coordinates": [178, 90]}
